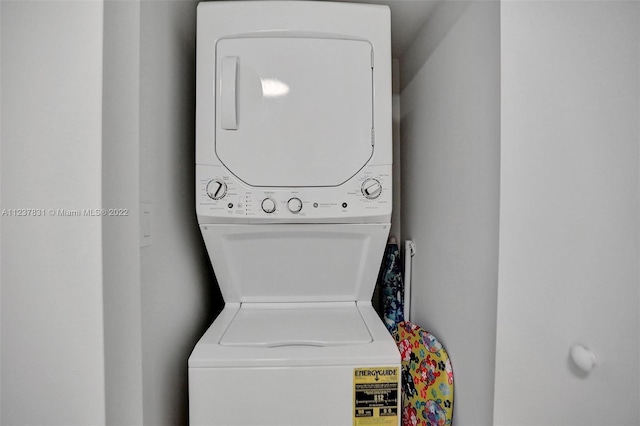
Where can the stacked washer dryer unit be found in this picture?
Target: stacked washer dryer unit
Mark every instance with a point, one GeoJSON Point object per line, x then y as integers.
{"type": "Point", "coordinates": [293, 198]}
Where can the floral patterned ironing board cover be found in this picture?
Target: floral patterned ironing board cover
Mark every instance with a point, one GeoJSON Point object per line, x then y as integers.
{"type": "Point", "coordinates": [427, 378]}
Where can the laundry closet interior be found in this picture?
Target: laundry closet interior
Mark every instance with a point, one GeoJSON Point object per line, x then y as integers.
{"type": "Point", "coordinates": [515, 174]}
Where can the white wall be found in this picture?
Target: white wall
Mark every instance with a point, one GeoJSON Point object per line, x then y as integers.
{"type": "Point", "coordinates": [176, 280]}
{"type": "Point", "coordinates": [439, 22]}
{"type": "Point", "coordinates": [396, 231]}
{"type": "Point", "coordinates": [98, 111]}
{"type": "Point", "coordinates": [450, 175]}
{"type": "Point", "coordinates": [0, 207]}
{"type": "Point", "coordinates": [51, 271]}
{"type": "Point", "coordinates": [95, 329]}
{"type": "Point", "coordinates": [569, 213]}
{"type": "Point", "coordinates": [121, 234]}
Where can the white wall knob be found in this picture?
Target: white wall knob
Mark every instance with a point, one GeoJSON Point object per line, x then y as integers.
{"type": "Point", "coordinates": [584, 358]}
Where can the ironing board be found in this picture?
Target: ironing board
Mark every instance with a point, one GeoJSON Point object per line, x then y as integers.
{"type": "Point", "coordinates": [427, 377]}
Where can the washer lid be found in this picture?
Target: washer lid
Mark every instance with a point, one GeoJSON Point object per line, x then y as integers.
{"type": "Point", "coordinates": [294, 112]}
{"type": "Point", "coordinates": [300, 324]}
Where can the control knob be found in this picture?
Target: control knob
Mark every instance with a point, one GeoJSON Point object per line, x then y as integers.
{"type": "Point", "coordinates": [371, 188]}
{"type": "Point", "coordinates": [216, 189]}
{"type": "Point", "coordinates": [268, 205]}
{"type": "Point", "coordinates": [295, 205]}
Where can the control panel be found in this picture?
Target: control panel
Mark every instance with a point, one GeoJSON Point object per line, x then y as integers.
{"type": "Point", "coordinates": [222, 198]}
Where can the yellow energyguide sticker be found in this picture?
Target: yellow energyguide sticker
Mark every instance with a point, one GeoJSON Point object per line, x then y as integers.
{"type": "Point", "coordinates": [375, 396]}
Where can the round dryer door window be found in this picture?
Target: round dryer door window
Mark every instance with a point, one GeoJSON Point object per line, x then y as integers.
{"type": "Point", "coordinates": [294, 112]}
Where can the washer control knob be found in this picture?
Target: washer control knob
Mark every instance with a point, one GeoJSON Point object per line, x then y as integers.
{"type": "Point", "coordinates": [295, 205]}
{"type": "Point", "coordinates": [371, 188]}
{"type": "Point", "coordinates": [216, 189]}
{"type": "Point", "coordinates": [268, 205]}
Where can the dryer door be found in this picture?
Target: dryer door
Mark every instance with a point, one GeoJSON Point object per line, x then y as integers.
{"type": "Point", "coordinates": [294, 112]}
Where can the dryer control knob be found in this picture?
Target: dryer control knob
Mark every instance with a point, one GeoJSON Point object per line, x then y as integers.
{"type": "Point", "coordinates": [268, 205]}
{"type": "Point", "coordinates": [295, 205]}
{"type": "Point", "coordinates": [216, 189]}
{"type": "Point", "coordinates": [371, 188]}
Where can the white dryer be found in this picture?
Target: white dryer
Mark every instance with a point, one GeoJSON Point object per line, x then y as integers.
{"type": "Point", "coordinates": [293, 198]}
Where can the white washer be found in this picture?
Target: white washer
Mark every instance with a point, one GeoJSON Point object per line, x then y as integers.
{"type": "Point", "coordinates": [293, 197]}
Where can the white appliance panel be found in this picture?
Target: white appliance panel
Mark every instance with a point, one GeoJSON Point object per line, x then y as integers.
{"type": "Point", "coordinates": [222, 198]}
{"type": "Point", "coordinates": [293, 385]}
{"type": "Point", "coordinates": [318, 396]}
{"type": "Point", "coordinates": [296, 263]}
{"type": "Point", "coordinates": [223, 20]}
{"type": "Point", "coordinates": [210, 353]}
{"type": "Point", "coordinates": [294, 112]}
{"type": "Point", "coordinates": [274, 324]}
{"type": "Point", "coordinates": [293, 179]}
